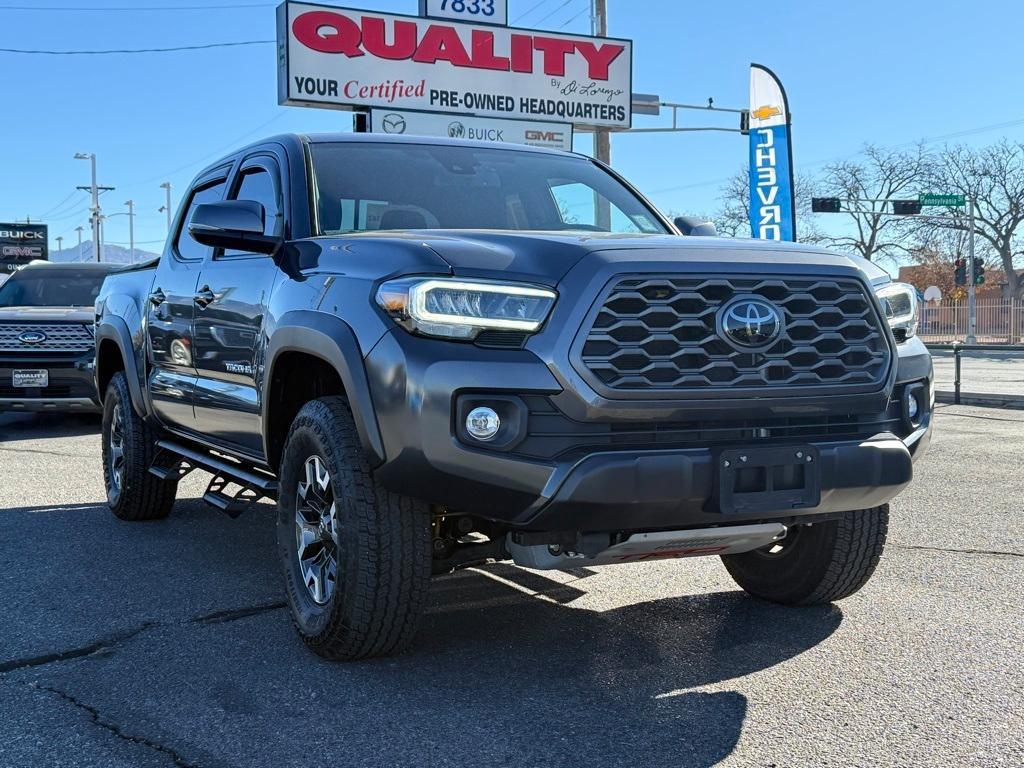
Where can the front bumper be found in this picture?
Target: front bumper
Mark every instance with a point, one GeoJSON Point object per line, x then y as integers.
{"type": "Point", "coordinates": [71, 386]}
{"type": "Point", "coordinates": [416, 383]}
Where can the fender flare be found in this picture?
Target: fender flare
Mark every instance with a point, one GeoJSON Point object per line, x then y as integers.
{"type": "Point", "coordinates": [115, 329]}
{"type": "Point", "coordinates": [331, 339]}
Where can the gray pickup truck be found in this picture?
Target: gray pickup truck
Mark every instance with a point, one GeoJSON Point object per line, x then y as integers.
{"type": "Point", "coordinates": [437, 353]}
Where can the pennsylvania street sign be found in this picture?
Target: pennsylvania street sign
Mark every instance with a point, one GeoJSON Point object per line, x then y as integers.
{"type": "Point", "coordinates": [943, 201]}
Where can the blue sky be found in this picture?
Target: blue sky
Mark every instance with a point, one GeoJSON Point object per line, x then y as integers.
{"type": "Point", "coordinates": [882, 72]}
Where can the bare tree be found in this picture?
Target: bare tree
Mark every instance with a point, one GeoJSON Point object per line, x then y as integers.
{"type": "Point", "coordinates": [866, 185]}
{"type": "Point", "coordinates": [733, 217]}
{"type": "Point", "coordinates": [994, 178]}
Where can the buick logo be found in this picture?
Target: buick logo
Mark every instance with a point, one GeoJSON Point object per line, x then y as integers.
{"type": "Point", "coordinates": [32, 337]}
{"type": "Point", "coordinates": [750, 323]}
{"type": "Point", "coordinates": [456, 130]}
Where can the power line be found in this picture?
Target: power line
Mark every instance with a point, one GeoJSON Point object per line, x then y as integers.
{"type": "Point", "coordinates": [533, 8]}
{"type": "Point", "coordinates": [133, 9]}
{"type": "Point", "coordinates": [586, 8]}
{"type": "Point", "coordinates": [134, 50]}
{"type": "Point", "coordinates": [58, 206]}
{"type": "Point", "coordinates": [542, 19]}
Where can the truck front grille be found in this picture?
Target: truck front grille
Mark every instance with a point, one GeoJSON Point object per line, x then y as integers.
{"type": "Point", "coordinates": [660, 332]}
{"type": "Point", "coordinates": [45, 337]}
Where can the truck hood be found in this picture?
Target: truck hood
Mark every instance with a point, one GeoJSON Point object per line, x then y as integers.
{"type": "Point", "coordinates": [546, 257]}
{"type": "Point", "coordinates": [84, 315]}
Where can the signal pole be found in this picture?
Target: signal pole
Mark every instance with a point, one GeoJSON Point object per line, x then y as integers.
{"type": "Point", "coordinates": [602, 136]}
{"type": "Point", "coordinates": [972, 317]}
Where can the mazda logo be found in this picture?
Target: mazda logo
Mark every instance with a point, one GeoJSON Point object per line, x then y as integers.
{"type": "Point", "coordinates": [750, 323]}
{"type": "Point", "coordinates": [393, 123]}
{"type": "Point", "coordinates": [32, 337]}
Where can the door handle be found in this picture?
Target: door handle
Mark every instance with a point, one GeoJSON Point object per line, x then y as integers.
{"type": "Point", "coordinates": [157, 297]}
{"type": "Point", "coordinates": [204, 297]}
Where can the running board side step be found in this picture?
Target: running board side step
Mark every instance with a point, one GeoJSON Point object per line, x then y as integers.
{"type": "Point", "coordinates": [599, 549]}
{"type": "Point", "coordinates": [173, 461]}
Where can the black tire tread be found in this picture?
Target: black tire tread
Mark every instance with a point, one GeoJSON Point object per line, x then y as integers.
{"type": "Point", "coordinates": [143, 495]}
{"type": "Point", "coordinates": [394, 565]}
{"type": "Point", "coordinates": [859, 542]}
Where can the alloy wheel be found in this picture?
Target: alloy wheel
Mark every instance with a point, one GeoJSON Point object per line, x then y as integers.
{"type": "Point", "coordinates": [316, 532]}
{"type": "Point", "coordinates": [116, 445]}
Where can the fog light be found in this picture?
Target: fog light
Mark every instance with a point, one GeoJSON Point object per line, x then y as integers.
{"type": "Point", "coordinates": [912, 408]}
{"type": "Point", "coordinates": [483, 423]}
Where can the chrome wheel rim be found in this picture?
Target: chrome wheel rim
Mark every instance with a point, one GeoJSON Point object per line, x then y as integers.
{"type": "Point", "coordinates": [116, 447]}
{"type": "Point", "coordinates": [316, 531]}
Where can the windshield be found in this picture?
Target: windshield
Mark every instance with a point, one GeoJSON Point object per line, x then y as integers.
{"type": "Point", "coordinates": [52, 288]}
{"type": "Point", "coordinates": [362, 186]}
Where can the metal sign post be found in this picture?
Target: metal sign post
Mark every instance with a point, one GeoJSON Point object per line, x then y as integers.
{"type": "Point", "coordinates": [972, 310]}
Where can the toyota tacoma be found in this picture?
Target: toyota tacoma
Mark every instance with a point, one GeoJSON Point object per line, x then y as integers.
{"type": "Point", "coordinates": [435, 353]}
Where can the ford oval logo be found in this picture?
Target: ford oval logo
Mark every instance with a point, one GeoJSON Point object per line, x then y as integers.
{"type": "Point", "coordinates": [750, 323]}
{"type": "Point", "coordinates": [32, 337]}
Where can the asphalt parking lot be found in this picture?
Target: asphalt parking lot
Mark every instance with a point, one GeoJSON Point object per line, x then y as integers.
{"type": "Point", "coordinates": [167, 643]}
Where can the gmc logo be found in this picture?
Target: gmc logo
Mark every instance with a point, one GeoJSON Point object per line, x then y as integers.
{"type": "Point", "coordinates": [551, 136]}
{"type": "Point", "coordinates": [21, 251]}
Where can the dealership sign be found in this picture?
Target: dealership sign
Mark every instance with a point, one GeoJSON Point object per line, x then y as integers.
{"type": "Point", "coordinates": [342, 58]}
{"type": "Point", "coordinates": [20, 244]}
{"type": "Point", "coordinates": [531, 132]}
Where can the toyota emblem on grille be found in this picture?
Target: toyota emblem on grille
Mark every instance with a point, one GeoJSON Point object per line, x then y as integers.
{"type": "Point", "coordinates": [750, 323]}
{"type": "Point", "coordinates": [32, 337]}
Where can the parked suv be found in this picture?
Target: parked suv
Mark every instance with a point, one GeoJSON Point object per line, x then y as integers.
{"type": "Point", "coordinates": [437, 353]}
{"type": "Point", "coordinates": [46, 337]}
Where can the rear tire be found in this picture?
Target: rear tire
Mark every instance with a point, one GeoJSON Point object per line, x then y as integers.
{"type": "Point", "coordinates": [817, 563]}
{"type": "Point", "coordinates": [356, 557]}
{"type": "Point", "coordinates": [129, 445]}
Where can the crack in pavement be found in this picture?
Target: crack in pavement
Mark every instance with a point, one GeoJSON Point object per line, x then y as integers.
{"type": "Point", "coordinates": [108, 725]}
{"type": "Point", "coordinates": [47, 453]}
{"type": "Point", "coordinates": [115, 641]}
{"type": "Point", "coordinates": [951, 550]}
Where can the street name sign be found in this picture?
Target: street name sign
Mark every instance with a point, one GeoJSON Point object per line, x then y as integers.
{"type": "Point", "coordinates": [943, 201]}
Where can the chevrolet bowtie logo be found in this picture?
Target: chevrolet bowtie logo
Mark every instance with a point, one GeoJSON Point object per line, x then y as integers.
{"type": "Point", "coordinates": [763, 113]}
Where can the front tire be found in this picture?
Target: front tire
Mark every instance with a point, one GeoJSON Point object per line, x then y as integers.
{"type": "Point", "coordinates": [129, 445]}
{"type": "Point", "coordinates": [356, 557]}
{"type": "Point", "coordinates": [817, 563]}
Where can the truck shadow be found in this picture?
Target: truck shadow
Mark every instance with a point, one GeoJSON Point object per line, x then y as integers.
{"type": "Point", "coordinates": [613, 687]}
{"type": "Point", "coordinates": [35, 426]}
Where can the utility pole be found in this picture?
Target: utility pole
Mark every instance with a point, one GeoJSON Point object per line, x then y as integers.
{"type": "Point", "coordinates": [96, 213]}
{"type": "Point", "coordinates": [131, 229]}
{"type": "Point", "coordinates": [972, 318]}
{"type": "Point", "coordinates": [166, 187]}
{"type": "Point", "coordinates": [79, 231]}
{"type": "Point", "coordinates": [60, 243]}
{"type": "Point", "coordinates": [602, 136]}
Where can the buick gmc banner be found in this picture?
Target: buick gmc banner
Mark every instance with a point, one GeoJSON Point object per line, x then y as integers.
{"type": "Point", "coordinates": [344, 58]}
{"type": "Point", "coordinates": [772, 202]}
{"type": "Point", "coordinates": [531, 132]}
{"type": "Point", "coordinates": [20, 244]}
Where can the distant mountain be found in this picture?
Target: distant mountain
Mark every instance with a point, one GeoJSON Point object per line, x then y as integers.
{"type": "Point", "coordinates": [114, 254]}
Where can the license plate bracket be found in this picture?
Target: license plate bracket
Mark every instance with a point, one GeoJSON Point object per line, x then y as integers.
{"type": "Point", "coordinates": [769, 479]}
{"type": "Point", "coordinates": [30, 378]}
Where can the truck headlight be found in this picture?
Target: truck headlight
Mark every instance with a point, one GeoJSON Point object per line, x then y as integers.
{"type": "Point", "coordinates": [899, 302]}
{"type": "Point", "coordinates": [460, 309]}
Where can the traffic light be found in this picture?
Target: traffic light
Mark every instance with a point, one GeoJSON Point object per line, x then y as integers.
{"type": "Point", "coordinates": [960, 272]}
{"type": "Point", "coordinates": [906, 207]}
{"type": "Point", "coordinates": [825, 205]}
{"type": "Point", "coordinates": [979, 272]}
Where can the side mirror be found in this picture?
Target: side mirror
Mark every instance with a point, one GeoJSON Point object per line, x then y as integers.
{"type": "Point", "coordinates": [234, 224]}
{"type": "Point", "coordinates": [691, 226]}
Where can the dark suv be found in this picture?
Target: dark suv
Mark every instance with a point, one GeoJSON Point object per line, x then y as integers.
{"type": "Point", "coordinates": [437, 353]}
{"type": "Point", "coordinates": [46, 337]}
